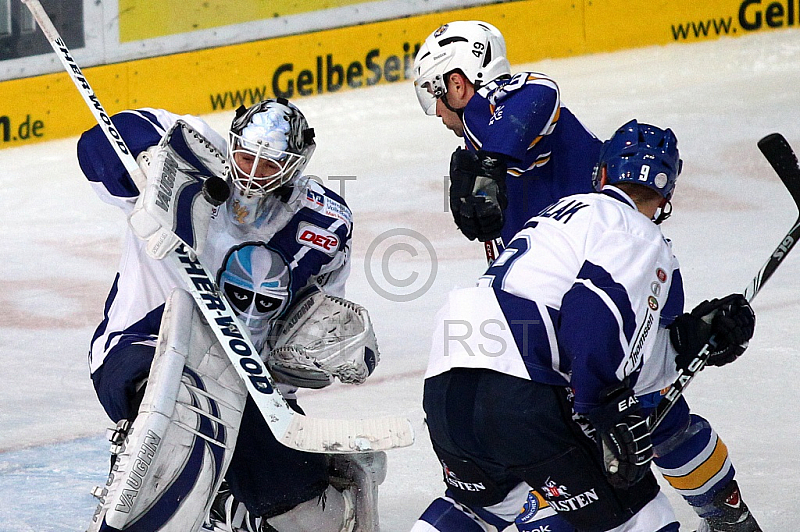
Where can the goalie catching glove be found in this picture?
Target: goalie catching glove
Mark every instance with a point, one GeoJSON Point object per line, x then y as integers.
{"type": "Point", "coordinates": [322, 337]}
{"type": "Point", "coordinates": [182, 190]}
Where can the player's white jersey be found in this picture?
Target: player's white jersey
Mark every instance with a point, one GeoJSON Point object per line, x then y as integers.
{"type": "Point", "coordinates": [302, 237]}
{"type": "Point", "coordinates": [575, 299]}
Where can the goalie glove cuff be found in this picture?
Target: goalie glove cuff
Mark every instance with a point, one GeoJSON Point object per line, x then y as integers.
{"type": "Point", "coordinates": [178, 200]}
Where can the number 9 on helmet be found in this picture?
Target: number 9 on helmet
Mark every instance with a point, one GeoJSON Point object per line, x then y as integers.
{"type": "Point", "coordinates": [641, 154]}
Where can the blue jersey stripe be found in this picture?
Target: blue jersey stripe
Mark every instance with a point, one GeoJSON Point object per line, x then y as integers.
{"type": "Point", "coordinates": [601, 279]}
{"type": "Point", "coordinates": [530, 335]}
{"type": "Point", "coordinates": [101, 164]}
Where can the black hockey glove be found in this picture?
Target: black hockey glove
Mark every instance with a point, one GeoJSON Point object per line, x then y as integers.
{"type": "Point", "coordinates": [478, 193]}
{"type": "Point", "coordinates": [730, 320]}
{"type": "Point", "coordinates": [623, 436]}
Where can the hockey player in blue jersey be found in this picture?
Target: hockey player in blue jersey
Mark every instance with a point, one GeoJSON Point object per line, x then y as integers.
{"type": "Point", "coordinates": [557, 350]}
{"type": "Point", "coordinates": [477, 98]}
{"type": "Point", "coordinates": [279, 237]}
{"type": "Point", "coordinates": [524, 148]}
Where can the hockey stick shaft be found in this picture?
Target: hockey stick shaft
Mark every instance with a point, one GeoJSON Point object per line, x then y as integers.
{"type": "Point", "coordinates": [74, 71]}
{"type": "Point", "coordinates": [493, 248]}
{"type": "Point", "coordinates": [288, 427]}
{"type": "Point", "coordinates": [783, 160]}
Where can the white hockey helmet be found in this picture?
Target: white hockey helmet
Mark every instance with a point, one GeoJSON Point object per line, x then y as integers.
{"type": "Point", "coordinates": [269, 145]}
{"type": "Point", "coordinates": [475, 48]}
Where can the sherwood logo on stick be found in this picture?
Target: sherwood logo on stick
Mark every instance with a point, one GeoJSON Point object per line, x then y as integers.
{"type": "Point", "coordinates": [213, 301]}
{"type": "Point", "coordinates": [89, 95]}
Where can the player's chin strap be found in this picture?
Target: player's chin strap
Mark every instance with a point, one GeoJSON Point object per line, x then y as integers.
{"type": "Point", "coordinates": [663, 213]}
{"type": "Point", "coordinates": [477, 85]}
{"type": "Point", "coordinates": [459, 112]}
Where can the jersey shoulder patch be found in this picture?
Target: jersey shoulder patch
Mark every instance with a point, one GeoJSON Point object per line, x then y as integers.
{"type": "Point", "coordinates": [326, 202]}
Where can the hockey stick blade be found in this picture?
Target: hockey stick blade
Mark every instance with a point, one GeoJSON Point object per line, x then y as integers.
{"type": "Point", "coordinates": [784, 161]}
{"type": "Point", "coordinates": [348, 435]}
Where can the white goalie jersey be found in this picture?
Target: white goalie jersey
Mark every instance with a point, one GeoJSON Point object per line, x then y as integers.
{"type": "Point", "coordinates": [575, 299]}
{"type": "Point", "coordinates": [302, 238]}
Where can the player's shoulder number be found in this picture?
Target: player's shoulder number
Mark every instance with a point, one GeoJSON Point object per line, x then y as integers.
{"type": "Point", "coordinates": [498, 90]}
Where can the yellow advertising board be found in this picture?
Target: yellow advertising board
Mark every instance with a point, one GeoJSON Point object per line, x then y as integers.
{"type": "Point", "coordinates": [614, 25]}
{"type": "Point", "coordinates": [48, 107]}
{"type": "Point", "coordinates": [145, 19]}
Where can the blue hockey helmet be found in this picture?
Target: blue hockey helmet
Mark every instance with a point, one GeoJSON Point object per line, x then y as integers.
{"type": "Point", "coordinates": [641, 154]}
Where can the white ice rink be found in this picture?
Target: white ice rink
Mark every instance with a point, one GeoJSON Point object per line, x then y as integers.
{"type": "Point", "coordinates": [60, 246]}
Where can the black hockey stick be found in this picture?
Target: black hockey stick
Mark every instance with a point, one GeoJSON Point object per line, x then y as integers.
{"type": "Point", "coordinates": [783, 160]}
{"type": "Point", "coordinates": [289, 427]}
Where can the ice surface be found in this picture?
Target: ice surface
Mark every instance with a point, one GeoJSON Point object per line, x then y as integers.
{"type": "Point", "coordinates": [60, 246]}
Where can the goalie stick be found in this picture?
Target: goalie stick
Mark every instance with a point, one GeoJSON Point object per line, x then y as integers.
{"type": "Point", "coordinates": [289, 427]}
{"type": "Point", "coordinates": [783, 160]}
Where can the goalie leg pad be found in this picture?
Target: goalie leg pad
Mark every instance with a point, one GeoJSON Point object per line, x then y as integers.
{"type": "Point", "coordinates": [360, 475]}
{"type": "Point", "coordinates": [180, 445]}
{"type": "Point", "coordinates": [332, 512]}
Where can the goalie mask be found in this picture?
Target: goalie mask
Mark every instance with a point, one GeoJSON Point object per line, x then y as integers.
{"type": "Point", "coordinates": [255, 280]}
{"type": "Point", "coordinates": [269, 146]}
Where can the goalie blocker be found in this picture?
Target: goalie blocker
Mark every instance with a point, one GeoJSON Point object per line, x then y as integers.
{"type": "Point", "coordinates": [322, 337]}
{"type": "Point", "coordinates": [184, 185]}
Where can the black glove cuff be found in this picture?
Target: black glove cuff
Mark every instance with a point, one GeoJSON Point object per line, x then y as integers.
{"type": "Point", "coordinates": [618, 403]}
{"type": "Point", "coordinates": [689, 334]}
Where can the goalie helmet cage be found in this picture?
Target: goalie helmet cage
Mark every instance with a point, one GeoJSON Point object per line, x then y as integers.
{"type": "Point", "coordinates": [290, 428]}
